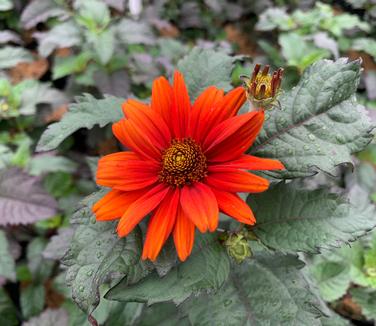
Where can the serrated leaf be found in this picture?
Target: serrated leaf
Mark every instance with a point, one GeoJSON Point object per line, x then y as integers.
{"type": "Point", "coordinates": [267, 290]}
{"type": "Point", "coordinates": [85, 113]}
{"type": "Point", "coordinates": [83, 213]}
{"type": "Point", "coordinates": [22, 199]}
{"type": "Point", "coordinates": [38, 11]}
{"type": "Point", "coordinates": [320, 123]}
{"type": "Point", "coordinates": [50, 317]}
{"type": "Point", "coordinates": [11, 55]}
{"type": "Point", "coordinates": [206, 269]}
{"type": "Point", "coordinates": [291, 219]}
{"type": "Point", "coordinates": [8, 312]}
{"type": "Point", "coordinates": [203, 68]}
{"type": "Point", "coordinates": [32, 300]}
{"type": "Point", "coordinates": [366, 299]}
{"type": "Point", "coordinates": [96, 252]}
{"type": "Point", "coordinates": [7, 265]}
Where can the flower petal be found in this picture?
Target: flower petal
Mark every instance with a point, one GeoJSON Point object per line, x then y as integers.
{"type": "Point", "coordinates": [249, 162]}
{"type": "Point", "coordinates": [231, 138]}
{"type": "Point", "coordinates": [201, 111]}
{"type": "Point", "coordinates": [140, 208]}
{"type": "Point", "coordinates": [134, 138]}
{"type": "Point", "coordinates": [184, 235]}
{"type": "Point", "coordinates": [161, 224]}
{"type": "Point", "coordinates": [113, 205]}
{"type": "Point", "coordinates": [237, 181]}
{"type": "Point", "coordinates": [232, 205]}
{"type": "Point", "coordinates": [200, 205]}
{"type": "Point", "coordinates": [124, 171]}
{"type": "Point", "coordinates": [149, 121]}
{"type": "Point", "coordinates": [132, 104]}
{"type": "Point", "coordinates": [161, 98]}
{"type": "Point", "coordinates": [181, 107]}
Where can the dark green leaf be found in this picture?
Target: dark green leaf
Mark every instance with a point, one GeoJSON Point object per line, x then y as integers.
{"type": "Point", "coordinates": [8, 312]}
{"type": "Point", "coordinates": [206, 269]}
{"type": "Point", "coordinates": [320, 123]}
{"type": "Point", "coordinates": [291, 219]}
{"type": "Point", "coordinates": [267, 290]}
{"type": "Point", "coordinates": [96, 252]}
{"type": "Point", "coordinates": [32, 300]}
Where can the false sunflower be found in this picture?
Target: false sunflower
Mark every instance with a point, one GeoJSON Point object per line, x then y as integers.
{"type": "Point", "coordinates": [185, 164]}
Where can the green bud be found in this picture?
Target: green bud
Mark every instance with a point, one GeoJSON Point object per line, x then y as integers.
{"type": "Point", "coordinates": [237, 247]}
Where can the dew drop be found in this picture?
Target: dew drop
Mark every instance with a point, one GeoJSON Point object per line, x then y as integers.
{"type": "Point", "coordinates": [99, 254]}
{"type": "Point", "coordinates": [89, 273]}
{"type": "Point", "coordinates": [227, 302]}
{"type": "Point", "coordinates": [311, 137]}
{"type": "Point", "coordinates": [306, 147]}
{"type": "Point", "coordinates": [98, 243]}
{"type": "Point", "coordinates": [81, 288]}
{"type": "Point", "coordinates": [93, 220]}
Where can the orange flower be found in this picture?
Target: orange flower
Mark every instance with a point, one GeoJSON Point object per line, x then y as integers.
{"type": "Point", "coordinates": [185, 164]}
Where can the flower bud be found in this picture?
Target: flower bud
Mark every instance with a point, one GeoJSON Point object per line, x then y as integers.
{"type": "Point", "coordinates": [263, 88]}
{"type": "Point", "coordinates": [237, 247]}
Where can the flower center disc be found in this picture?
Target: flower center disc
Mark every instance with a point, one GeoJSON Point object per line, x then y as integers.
{"type": "Point", "coordinates": [182, 163]}
{"type": "Point", "coordinates": [267, 82]}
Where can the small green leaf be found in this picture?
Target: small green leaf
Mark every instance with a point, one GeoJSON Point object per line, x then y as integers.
{"type": "Point", "coordinates": [291, 220]}
{"type": "Point", "coordinates": [7, 265]}
{"type": "Point", "coordinates": [366, 299]}
{"type": "Point", "coordinates": [103, 44]}
{"type": "Point", "coordinates": [85, 113]}
{"type": "Point", "coordinates": [336, 270]}
{"type": "Point", "coordinates": [206, 269]}
{"type": "Point", "coordinates": [203, 68]}
{"type": "Point", "coordinates": [10, 56]}
{"type": "Point", "coordinates": [70, 65]}
{"type": "Point", "coordinates": [32, 300]}
{"type": "Point", "coordinates": [320, 123]}
{"type": "Point", "coordinates": [8, 312]}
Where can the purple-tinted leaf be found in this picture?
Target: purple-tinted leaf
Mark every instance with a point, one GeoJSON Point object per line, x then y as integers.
{"type": "Point", "coordinates": [116, 4]}
{"type": "Point", "coordinates": [9, 36]}
{"type": "Point", "coordinates": [322, 40]}
{"type": "Point", "coordinates": [50, 317]}
{"type": "Point", "coordinates": [370, 81]}
{"type": "Point", "coordinates": [22, 198]}
{"type": "Point", "coordinates": [116, 83]}
{"type": "Point", "coordinates": [38, 11]}
{"type": "Point", "coordinates": [134, 32]}
{"type": "Point", "coordinates": [58, 244]}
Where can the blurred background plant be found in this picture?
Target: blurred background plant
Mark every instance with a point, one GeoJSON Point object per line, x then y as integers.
{"type": "Point", "coordinates": [54, 50]}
